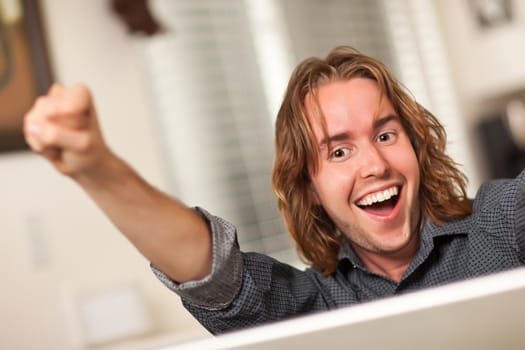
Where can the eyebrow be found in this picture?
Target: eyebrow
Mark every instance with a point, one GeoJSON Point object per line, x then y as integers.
{"type": "Point", "coordinates": [385, 120]}
{"type": "Point", "coordinates": [378, 123]}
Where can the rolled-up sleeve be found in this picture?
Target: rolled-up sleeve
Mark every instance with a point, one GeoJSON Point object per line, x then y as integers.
{"type": "Point", "coordinates": [217, 290]}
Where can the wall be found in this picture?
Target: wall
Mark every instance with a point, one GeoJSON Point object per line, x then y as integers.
{"type": "Point", "coordinates": [55, 245]}
{"type": "Point", "coordinates": [487, 63]}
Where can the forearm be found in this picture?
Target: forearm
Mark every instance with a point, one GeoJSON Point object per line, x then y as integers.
{"type": "Point", "coordinates": [171, 235]}
{"type": "Point", "coordinates": [62, 126]}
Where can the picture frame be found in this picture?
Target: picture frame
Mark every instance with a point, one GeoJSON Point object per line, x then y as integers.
{"type": "Point", "coordinates": [25, 71]}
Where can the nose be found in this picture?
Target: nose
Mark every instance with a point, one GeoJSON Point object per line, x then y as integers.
{"type": "Point", "coordinates": [373, 162]}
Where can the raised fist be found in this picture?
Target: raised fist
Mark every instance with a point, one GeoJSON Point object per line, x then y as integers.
{"type": "Point", "coordinates": [62, 126]}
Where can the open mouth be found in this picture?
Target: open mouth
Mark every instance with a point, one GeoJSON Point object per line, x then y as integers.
{"type": "Point", "coordinates": [380, 203]}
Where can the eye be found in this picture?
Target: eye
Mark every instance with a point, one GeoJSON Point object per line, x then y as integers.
{"type": "Point", "coordinates": [340, 154]}
{"type": "Point", "coordinates": [387, 137]}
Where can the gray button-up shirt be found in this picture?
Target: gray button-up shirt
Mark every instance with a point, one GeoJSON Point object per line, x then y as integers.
{"type": "Point", "coordinates": [247, 289]}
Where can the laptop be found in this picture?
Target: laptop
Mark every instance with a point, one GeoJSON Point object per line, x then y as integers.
{"type": "Point", "coordinates": [482, 313]}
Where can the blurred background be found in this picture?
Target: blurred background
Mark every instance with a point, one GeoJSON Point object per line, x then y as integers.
{"type": "Point", "coordinates": [187, 92]}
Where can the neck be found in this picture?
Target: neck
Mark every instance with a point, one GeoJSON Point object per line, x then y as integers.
{"type": "Point", "coordinates": [392, 265]}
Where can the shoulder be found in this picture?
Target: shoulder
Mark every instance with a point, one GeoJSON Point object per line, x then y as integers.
{"type": "Point", "coordinates": [501, 194]}
{"type": "Point", "coordinates": [499, 211]}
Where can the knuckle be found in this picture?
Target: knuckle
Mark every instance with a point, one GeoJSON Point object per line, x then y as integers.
{"type": "Point", "coordinates": [82, 94]}
{"type": "Point", "coordinates": [41, 102]}
{"type": "Point", "coordinates": [44, 108]}
{"type": "Point", "coordinates": [55, 88]}
{"type": "Point", "coordinates": [51, 110]}
{"type": "Point", "coordinates": [81, 87]}
{"type": "Point", "coordinates": [50, 136]}
{"type": "Point", "coordinates": [71, 108]}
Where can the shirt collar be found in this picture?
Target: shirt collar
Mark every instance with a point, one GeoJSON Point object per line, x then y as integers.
{"type": "Point", "coordinates": [452, 227]}
{"type": "Point", "coordinates": [428, 234]}
{"type": "Point", "coordinates": [347, 253]}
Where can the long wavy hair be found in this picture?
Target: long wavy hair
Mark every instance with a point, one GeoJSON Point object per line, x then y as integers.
{"type": "Point", "coordinates": [442, 193]}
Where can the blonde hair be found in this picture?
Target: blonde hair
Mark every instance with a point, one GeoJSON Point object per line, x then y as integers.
{"type": "Point", "coordinates": [442, 188]}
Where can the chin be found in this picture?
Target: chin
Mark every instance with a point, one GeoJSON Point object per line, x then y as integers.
{"type": "Point", "coordinates": [397, 246]}
{"type": "Point", "coordinates": [392, 243]}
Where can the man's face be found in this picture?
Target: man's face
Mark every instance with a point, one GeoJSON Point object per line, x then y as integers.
{"type": "Point", "coordinates": [368, 176]}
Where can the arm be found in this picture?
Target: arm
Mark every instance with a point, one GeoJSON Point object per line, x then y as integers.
{"type": "Point", "coordinates": [62, 126]}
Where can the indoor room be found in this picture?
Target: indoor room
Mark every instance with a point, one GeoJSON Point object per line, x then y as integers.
{"type": "Point", "coordinates": [187, 93]}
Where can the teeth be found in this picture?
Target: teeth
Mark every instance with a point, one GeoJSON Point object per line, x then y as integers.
{"type": "Point", "coordinates": [379, 196]}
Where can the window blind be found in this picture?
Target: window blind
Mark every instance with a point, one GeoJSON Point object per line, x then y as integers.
{"type": "Point", "coordinates": [213, 79]}
{"type": "Point", "coordinates": [417, 44]}
{"type": "Point", "coordinates": [212, 111]}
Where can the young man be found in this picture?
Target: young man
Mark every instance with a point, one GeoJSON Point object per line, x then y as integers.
{"type": "Point", "coordinates": [373, 202]}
